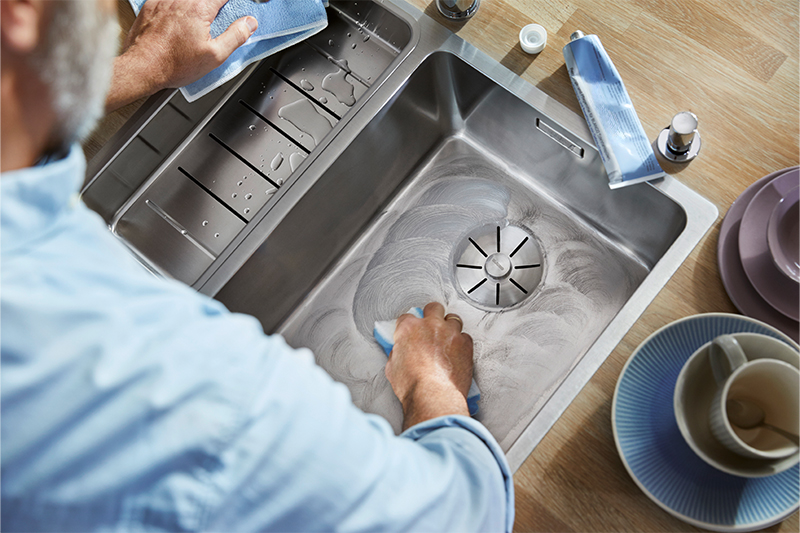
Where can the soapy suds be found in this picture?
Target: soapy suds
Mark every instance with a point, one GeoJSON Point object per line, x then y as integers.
{"type": "Point", "coordinates": [406, 259]}
{"type": "Point", "coordinates": [304, 116]}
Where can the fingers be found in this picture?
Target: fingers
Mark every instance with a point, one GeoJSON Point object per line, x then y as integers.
{"type": "Point", "coordinates": [468, 344]}
{"type": "Point", "coordinates": [453, 319]}
{"type": "Point", "coordinates": [402, 318]}
{"type": "Point", "coordinates": [235, 36]}
{"type": "Point", "coordinates": [433, 309]}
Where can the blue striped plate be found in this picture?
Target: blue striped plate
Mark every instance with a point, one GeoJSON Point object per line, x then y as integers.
{"type": "Point", "coordinates": [658, 458]}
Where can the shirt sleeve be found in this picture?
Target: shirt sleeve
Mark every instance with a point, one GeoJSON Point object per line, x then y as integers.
{"type": "Point", "coordinates": [198, 421]}
{"type": "Point", "coordinates": [134, 403]}
{"type": "Point", "coordinates": [327, 466]}
{"type": "Point", "coordinates": [471, 436]}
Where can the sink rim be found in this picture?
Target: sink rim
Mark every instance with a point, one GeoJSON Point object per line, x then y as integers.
{"type": "Point", "coordinates": [428, 38]}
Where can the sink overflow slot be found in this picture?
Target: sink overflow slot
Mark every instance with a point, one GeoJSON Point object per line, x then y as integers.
{"type": "Point", "coordinates": [560, 139]}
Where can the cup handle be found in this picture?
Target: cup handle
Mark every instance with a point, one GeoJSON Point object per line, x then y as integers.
{"type": "Point", "coordinates": [725, 356]}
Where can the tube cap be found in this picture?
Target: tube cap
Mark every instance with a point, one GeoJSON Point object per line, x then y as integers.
{"type": "Point", "coordinates": [533, 38]}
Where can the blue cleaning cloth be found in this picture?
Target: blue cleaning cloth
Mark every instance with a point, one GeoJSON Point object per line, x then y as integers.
{"type": "Point", "coordinates": [281, 23]}
{"type": "Point", "coordinates": [384, 335]}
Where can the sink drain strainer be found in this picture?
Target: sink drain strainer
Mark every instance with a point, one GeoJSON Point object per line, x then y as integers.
{"type": "Point", "coordinates": [498, 266]}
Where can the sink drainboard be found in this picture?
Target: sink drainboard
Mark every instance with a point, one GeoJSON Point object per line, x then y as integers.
{"type": "Point", "coordinates": [498, 266]}
{"type": "Point", "coordinates": [196, 175]}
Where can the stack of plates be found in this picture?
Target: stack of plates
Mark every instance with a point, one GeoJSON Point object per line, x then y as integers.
{"type": "Point", "coordinates": [758, 251]}
{"type": "Point", "coordinates": [660, 460]}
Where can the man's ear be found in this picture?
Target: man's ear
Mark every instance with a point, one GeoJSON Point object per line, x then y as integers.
{"type": "Point", "coordinates": [21, 24]}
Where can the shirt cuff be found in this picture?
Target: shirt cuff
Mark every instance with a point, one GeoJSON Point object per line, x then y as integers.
{"type": "Point", "coordinates": [477, 429]}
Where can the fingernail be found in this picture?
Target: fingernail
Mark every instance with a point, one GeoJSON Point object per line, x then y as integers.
{"type": "Point", "coordinates": [252, 23]}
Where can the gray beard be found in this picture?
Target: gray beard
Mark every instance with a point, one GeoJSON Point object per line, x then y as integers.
{"type": "Point", "coordinates": [75, 61]}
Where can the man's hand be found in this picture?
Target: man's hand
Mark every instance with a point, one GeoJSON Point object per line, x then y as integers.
{"type": "Point", "coordinates": [430, 367]}
{"type": "Point", "coordinates": [170, 45]}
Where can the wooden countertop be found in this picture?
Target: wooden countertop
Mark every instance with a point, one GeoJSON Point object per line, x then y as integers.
{"type": "Point", "coordinates": [734, 63]}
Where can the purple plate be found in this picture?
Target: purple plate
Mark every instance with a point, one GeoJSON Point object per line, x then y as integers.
{"type": "Point", "coordinates": [783, 235]}
{"type": "Point", "coordinates": [741, 292]}
{"type": "Point", "coordinates": [778, 290]}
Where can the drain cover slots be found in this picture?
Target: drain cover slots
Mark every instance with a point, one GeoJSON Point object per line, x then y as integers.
{"type": "Point", "coordinates": [498, 266]}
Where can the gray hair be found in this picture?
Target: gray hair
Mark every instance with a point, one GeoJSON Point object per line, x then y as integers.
{"type": "Point", "coordinates": [75, 61]}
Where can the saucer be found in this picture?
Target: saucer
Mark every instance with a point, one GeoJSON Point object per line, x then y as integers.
{"type": "Point", "coordinates": [696, 393]}
{"type": "Point", "coordinates": [741, 292]}
{"type": "Point", "coordinates": [774, 287]}
{"type": "Point", "coordinates": [658, 458]}
{"type": "Point", "coordinates": [783, 236]}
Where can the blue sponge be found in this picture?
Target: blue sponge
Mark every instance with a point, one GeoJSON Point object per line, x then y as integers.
{"type": "Point", "coordinates": [384, 335]}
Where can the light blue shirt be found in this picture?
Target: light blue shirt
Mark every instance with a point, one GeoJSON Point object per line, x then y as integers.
{"type": "Point", "coordinates": [131, 402]}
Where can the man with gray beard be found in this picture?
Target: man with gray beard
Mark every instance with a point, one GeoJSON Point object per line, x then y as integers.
{"type": "Point", "coordinates": [131, 402]}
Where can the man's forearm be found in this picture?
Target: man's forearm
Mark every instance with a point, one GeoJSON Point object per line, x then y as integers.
{"type": "Point", "coordinates": [169, 45]}
{"type": "Point", "coordinates": [130, 82]}
{"type": "Point", "coordinates": [430, 400]}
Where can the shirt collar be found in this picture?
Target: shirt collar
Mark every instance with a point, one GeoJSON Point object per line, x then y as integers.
{"type": "Point", "coordinates": [33, 198]}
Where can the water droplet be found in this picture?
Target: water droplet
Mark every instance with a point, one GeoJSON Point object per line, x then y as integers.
{"type": "Point", "coordinates": [240, 183]}
{"type": "Point", "coordinates": [234, 195]}
{"type": "Point", "coordinates": [349, 34]}
{"type": "Point", "coordinates": [271, 97]}
{"type": "Point", "coordinates": [184, 232]}
{"type": "Point", "coordinates": [205, 223]}
{"type": "Point", "coordinates": [216, 235]}
{"type": "Point", "coordinates": [323, 100]}
{"type": "Point", "coordinates": [331, 43]}
{"type": "Point", "coordinates": [354, 46]}
{"type": "Point", "coordinates": [295, 159]}
{"type": "Point", "coordinates": [248, 196]}
{"type": "Point", "coordinates": [246, 210]}
{"type": "Point", "coordinates": [252, 127]}
{"type": "Point", "coordinates": [337, 85]}
{"type": "Point", "coordinates": [280, 181]}
{"type": "Point", "coordinates": [277, 161]}
{"type": "Point", "coordinates": [366, 38]}
{"type": "Point", "coordinates": [305, 84]}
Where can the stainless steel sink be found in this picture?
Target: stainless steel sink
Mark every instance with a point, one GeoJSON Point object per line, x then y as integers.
{"type": "Point", "coordinates": [183, 181]}
{"type": "Point", "coordinates": [450, 179]}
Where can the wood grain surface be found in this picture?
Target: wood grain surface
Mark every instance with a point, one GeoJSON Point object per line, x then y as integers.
{"type": "Point", "coordinates": [734, 63]}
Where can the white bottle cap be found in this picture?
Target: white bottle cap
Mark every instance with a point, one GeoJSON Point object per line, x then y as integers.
{"type": "Point", "coordinates": [533, 38]}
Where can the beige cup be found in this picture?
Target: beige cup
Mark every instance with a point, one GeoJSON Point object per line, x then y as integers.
{"type": "Point", "coordinates": [695, 390]}
{"type": "Point", "coordinates": [770, 384]}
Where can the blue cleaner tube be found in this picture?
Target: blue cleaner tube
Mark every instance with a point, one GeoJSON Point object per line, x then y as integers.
{"type": "Point", "coordinates": [626, 153]}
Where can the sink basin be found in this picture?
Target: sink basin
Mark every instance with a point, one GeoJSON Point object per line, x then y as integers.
{"type": "Point", "coordinates": [450, 180]}
{"type": "Point", "coordinates": [455, 156]}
